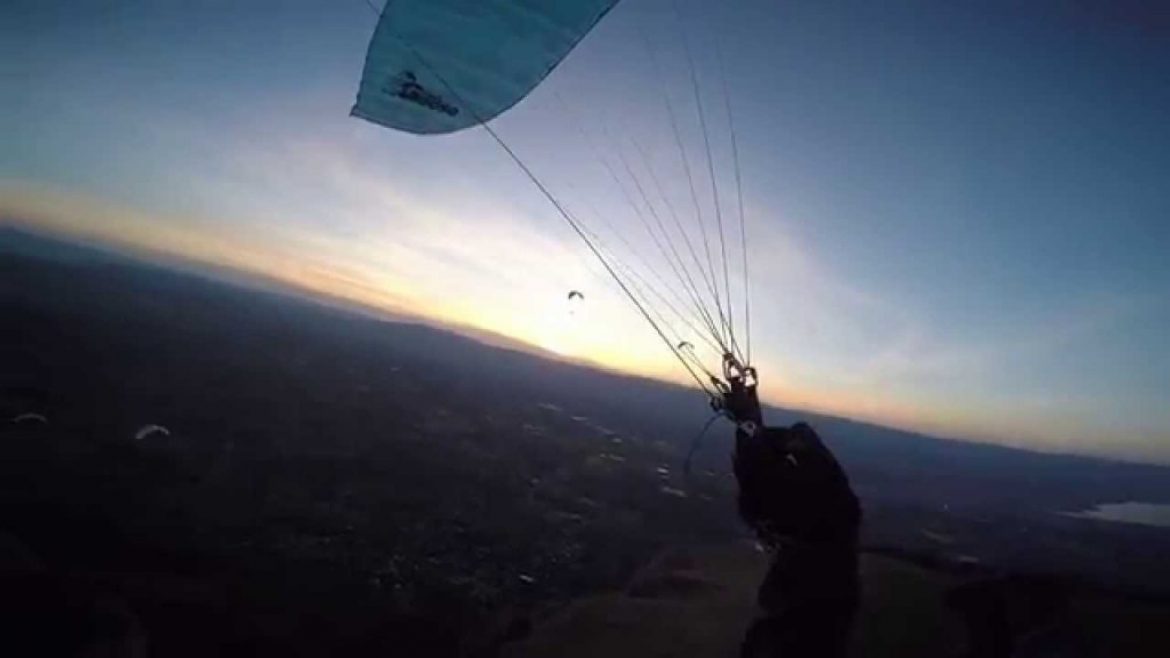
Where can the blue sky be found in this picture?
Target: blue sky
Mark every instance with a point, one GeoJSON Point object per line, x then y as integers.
{"type": "Point", "coordinates": [959, 212]}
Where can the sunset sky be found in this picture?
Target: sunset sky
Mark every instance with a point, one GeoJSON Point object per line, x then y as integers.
{"type": "Point", "coordinates": [959, 213]}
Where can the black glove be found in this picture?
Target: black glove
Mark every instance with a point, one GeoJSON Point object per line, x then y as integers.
{"type": "Point", "coordinates": [741, 402]}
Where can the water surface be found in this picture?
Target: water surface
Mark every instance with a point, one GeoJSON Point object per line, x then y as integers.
{"type": "Point", "coordinates": [1130, 512]}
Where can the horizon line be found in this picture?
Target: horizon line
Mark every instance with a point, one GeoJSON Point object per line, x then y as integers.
{"type": "Point", "coordinates": [264, 282]}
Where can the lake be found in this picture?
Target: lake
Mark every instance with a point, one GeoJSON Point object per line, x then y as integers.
{"type": "Point", "coordinates": [1130, 512]}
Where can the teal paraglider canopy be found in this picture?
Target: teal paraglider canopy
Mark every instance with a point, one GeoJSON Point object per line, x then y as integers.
{"type": "Point", "coordinates": [438, 66]}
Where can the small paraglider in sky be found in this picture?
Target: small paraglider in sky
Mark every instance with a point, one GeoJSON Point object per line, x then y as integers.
{"type": "Point", "coordinates": [30, 418]}
{"type": "Point", "coordinates": [575, 298]}
{"type": "Point", "coordinates": [149, 430]}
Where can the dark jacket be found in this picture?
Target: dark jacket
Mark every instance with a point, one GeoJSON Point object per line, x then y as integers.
{"type": "Point", "coordinates": [797, 498]}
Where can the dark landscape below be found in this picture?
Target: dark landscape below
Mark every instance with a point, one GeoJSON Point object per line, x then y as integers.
{"type": "Point", "coordinates": [332, 483]}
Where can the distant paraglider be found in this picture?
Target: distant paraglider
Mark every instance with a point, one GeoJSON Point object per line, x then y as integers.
{"type": "Point", "coordinates": [24, 418]}
{"type": "Point", "coordinates": [150, 430]}
{"type": "Point", "coordinates": [575, 299]}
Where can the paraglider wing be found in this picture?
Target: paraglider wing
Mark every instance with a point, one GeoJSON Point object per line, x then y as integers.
{"type": "Point", "coordinates": [574, 300]}
{"type": "Point", "coordinates": [438, 66]}
{"type": "Point", "coordinates": [148, 430]}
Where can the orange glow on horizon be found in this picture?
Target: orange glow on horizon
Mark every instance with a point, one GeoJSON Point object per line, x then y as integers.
{"type": "Point", "coordinates": [76, 217]}
{"type": "Point", "coordinates": [251, 255]}
{"type": "Point", "coordinates": [300, 262]}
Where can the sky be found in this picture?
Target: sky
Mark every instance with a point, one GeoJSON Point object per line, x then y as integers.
{"type": "Point", "coordinates": [958, 214]}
